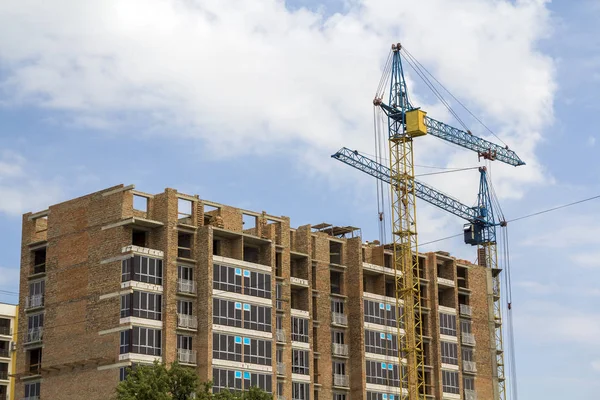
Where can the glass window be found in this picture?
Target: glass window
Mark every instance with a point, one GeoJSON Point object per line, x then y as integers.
{"type": "Point", "coordinates": [142, 305]}
{"type": "Point", "coordinates": [146, 341]}
{"type": "Point", "coordinates": [257, 284]}
{"type": "Point", "coordinates": [469, 383]}
{"type": "Point", "coordinates": [381, 343]}
{"type": "Point", "coordinates": [227, 347]}
{"type": "Point", "coordinates": [300, 391]}
{"type": "Point", "coordinates": [337, 337]}
{"type": "Point", "coordinates": [300, 329]}
{"type": "Point", "coordinates": [257, 351]}
{"type": "Point", "coordinates": [300, 362]}
{"type": "Point", "coordinates": [142, 269]}
{"type": "Point", "coordinates": [227, 312]}
{"type": "Point", "coordinates": [449, 353]}
{"type": "Point", "coordinates": [184, 342]}
{"type": "Point", "coordinates": [32, 390]}
{"type": "Point", "coordinates": [232, 380]}
{"type": "Point", "coordinates": [257, 317]}
{"type": "Point", "coordinates": [448, 324]}
{"type": "Point", "coordinates": [450, 382]}
{"type": "Point", "coordinates": [227, 278]}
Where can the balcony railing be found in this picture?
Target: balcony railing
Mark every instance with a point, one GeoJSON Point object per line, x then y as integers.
{"type": "Point", "coordinates": [469, 366]}
{"type": "Point", "coordinates": [339, 319]}
{"type": "Point", "coordinates": [470, 394]}
{"type": "Point", "coordinates": [4, 353]}
{"type": "Point", "coordinates": [280, 368]}
{"type": "Point", "coordinates": [34, 335]}
{"type": "Point", "coordinates": [187, 321]}
{"type": "Point", "coordinates": [186, 356]}
{"type": "Point", "coordinates": [468, 338]}
{"type": "Point", "coordinates": [186, 286]}
{"type": "Point", "coordinates": [37, 300]}
{"type": "Point", "coordinates": [280, 335]}
{"type": "Point", "coordinates": [465, 310]}
{"type": "Point", "coordinates": [341, 380]}
{"type": "Point", "coordinates": [339, 349]}
{"type": "Point", "coordinates": [5, 330]}
{"type": "Point", "coordinates": [280, 397]}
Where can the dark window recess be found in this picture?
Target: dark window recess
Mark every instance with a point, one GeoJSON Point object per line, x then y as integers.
{"type": "Point", "coordinates": [184, 245]}
{"type": "Point", "coordinates": [251, 254]}
{"type": "Point", "coordinates": [4, 348]}
{"type": "Point", "coordinates": [278, 265]}
{"type": "Point", "coordinates": [138, 238]}
{"type": "Point", "coordinates": [34, 361]}
{"type": "Point", "coordinates": [217, 247]}
{"type": "Point", "coordinates": [3, 371]}
{"type": "Point", "coordinates": [39, 261]}
{"type": "Point", "coordinates": [5, 326]}
{"type": "Point", "coordinates": [336, 282]}
{"type": "Point", "coordinates": [142, 269]}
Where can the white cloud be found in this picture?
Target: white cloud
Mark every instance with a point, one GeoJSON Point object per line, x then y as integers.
{"type": "Point", "coordinates": [591, 139]}
{"type": "Point", "coordinates": [21, 190]}
{"type": "Point", "coordinates": [551, 322]}
{"type": "Point", "coordinates": [253, 76]}
{"type": "Point", "coordinates": [596, 365]}
{"type": "Point", "coordinates": [587, 259]}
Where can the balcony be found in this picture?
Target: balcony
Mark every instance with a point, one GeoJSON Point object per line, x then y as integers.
{"type": "Point", "coordinates": [341, 380]}
{"type": "Point", "coordinates": [37, 300]}
{"type": "Point", "coordinates": [470, 395]}
{"type": "Point", "coordinates": [34, 335]}
{"type": "Point", "coordinates": [466, 310]}
{"type": "Point", "coordinates": [339, 349]}
{"type": "Point", "coordinates": [186, 321]}
{"type": "Point", "coordinates": [280, 368]}
{"type": "Point", "coordinates": [185, 356]}
{"type": "Point", "coordinates": [280, 335]}
{"type": "Point", "coordinates": [470, 366]}
{"type": "Point", "coordinates": [339, 319]}
{"type": "Point", "coordinates": [468, 339]}
{"type": "Point", "coordinates": [186, 286]}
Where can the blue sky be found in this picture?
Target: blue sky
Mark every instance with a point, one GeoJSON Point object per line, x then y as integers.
{"type": "Point", "coordinates": [243, 102]}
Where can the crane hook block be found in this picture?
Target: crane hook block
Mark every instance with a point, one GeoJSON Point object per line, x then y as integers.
{"type": "Point", "coordinates": [415, 123]}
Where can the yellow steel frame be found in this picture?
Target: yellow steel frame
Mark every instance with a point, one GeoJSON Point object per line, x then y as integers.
{"type": "Point", "coordinates": [406, 268]}
{"type": "Point", "coordinates": [489, 252]}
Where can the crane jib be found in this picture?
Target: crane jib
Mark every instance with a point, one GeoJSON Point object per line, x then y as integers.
{"type": "Point", "coordinates": [484, 148]}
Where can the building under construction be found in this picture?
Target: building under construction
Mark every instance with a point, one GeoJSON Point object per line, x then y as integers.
{"type": "Point", "coordinates": [120, 277]}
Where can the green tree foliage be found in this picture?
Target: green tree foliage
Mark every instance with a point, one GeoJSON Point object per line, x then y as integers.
{"type": "Point", "coordinates": [156, 382]}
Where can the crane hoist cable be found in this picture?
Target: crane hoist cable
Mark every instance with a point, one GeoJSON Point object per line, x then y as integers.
{"type": "Point", "coordinates": [454, 97]}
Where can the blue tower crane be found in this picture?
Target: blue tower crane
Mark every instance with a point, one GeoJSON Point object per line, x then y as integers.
{"type": "Point", "coordinates": [406, 123]}
{"type": "Point", "coordinates": [481, 223]}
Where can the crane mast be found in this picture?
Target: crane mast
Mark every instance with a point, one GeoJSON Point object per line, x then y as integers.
{"type": "Point", "coordinates": [404, 234]}
{"type": "Point", "coordinates": [405, 123]}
